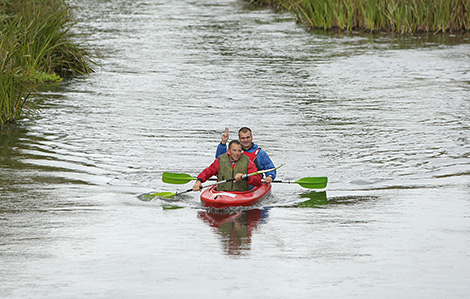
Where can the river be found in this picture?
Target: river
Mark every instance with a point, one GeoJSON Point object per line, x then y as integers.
{"type": "Point", "coordinates": [385, 118]}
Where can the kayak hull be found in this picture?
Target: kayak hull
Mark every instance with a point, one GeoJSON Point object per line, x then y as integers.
{"type": "Point", "coordinates": [222, 199]}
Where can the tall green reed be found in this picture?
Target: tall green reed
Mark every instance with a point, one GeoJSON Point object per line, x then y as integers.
{"type": "Point", "coordinates": [15, 83]}
{"type": "Point", "coordinates": [36, 47]}
{"type": "Point", "coordinates": [395, 16]}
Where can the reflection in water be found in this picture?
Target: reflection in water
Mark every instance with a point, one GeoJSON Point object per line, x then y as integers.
{"type": "Point", "coordinates": [234, 228]}
{"type": "Point", "coordinates": [9, 145]}
{"type": "Point", "coordinates": [319, 200]}
{"type": "Point", "coordinates": [315, 200]}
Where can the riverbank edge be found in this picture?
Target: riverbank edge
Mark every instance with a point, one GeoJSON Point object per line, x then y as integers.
{"type": "Point", "coordinates": [36, 47]}
{"type": "Point", "coordinates": [402, 17]}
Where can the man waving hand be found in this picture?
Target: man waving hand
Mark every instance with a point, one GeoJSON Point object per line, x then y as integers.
{"type": "Point", "coordinates": [250, 149]}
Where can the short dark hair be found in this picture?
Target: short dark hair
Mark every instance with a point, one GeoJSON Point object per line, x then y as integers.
{"type": "Point", "coordinates": [244, 130]}
{"type": "Point", "coordinates": [234, 142]}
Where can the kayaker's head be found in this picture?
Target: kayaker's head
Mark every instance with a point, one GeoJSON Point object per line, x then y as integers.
{"type": "Point", "coordinates": [234, 150]}
{"type": "Point", "coordinates": [245, 137]}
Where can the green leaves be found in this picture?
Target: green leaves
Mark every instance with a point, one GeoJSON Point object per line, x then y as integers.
{"type": "Point", "coordinates": [35, 47]}
{"type": "Point", "coordinates": [397, 16]}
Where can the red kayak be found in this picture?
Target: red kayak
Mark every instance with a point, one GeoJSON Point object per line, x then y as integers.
{"type": "Point", "coordinates": [222, 199]}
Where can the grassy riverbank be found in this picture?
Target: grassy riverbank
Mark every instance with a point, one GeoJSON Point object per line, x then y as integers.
{"type": "Point", "coordinates": [35, 48]}
{"type": "Point", "coordinates": [394, 16]}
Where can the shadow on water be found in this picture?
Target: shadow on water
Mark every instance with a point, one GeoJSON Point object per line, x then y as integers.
{"type": "Point", "coordinates": [394, 41]}
{"type": "Point", "coordinates": [9, 144]}
{"type": "Point", "coordinates": [14, 196]}
{"type": "Point", "coordinates": [234, 227]}
{"type": "Point", "coordinates": [29, 158]}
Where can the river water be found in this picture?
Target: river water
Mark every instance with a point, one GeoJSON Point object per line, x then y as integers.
{"type": "Point", "coordinates": [385, 118]}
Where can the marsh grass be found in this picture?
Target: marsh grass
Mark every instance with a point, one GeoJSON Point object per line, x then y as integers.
{"type": "Point", "coordinates": [394, 16]}
{"type": "Point", "coordinates": [35, 47]}
{"type": "Point", "coordinates": [15, 83]}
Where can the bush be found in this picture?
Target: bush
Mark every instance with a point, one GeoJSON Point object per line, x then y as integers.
{"type": "Point", "coordinates": [35, 48]}
{"type": "Point", "coordinates": [394, 16]}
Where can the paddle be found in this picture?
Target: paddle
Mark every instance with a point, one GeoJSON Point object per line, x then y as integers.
{"type": "Point", "coordinates": [183, 178]}
{"type": "Point", "coordinates": [307, 182]}
{"type": "Point", "coordinates": [178, 178]}
{"type": "Point", "coordinates": [173, 194]}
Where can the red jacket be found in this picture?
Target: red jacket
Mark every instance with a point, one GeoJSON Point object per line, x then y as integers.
{"type": "Point", "coordinates": [213, 170]}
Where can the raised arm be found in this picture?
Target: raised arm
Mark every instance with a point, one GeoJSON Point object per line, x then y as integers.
{"type": "Point", "coordinates": [222, 147]}
{"type": "Point", "coordinates": [224, 138]}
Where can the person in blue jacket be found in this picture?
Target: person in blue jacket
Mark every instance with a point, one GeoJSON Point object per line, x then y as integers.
{"type": "Point", "coordinates": [250, 149]}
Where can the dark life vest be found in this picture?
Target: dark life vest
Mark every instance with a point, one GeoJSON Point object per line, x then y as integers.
{"type": "Point", "coordinates": [226, 172]}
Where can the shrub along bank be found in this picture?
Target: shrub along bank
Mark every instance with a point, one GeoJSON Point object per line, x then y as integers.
{"type": "Point", "coordinates": [394, 16]}
{"type": "Point", "coordinates": [35, 47]}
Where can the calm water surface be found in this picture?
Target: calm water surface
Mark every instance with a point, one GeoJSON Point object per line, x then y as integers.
{"type": "Point", "coordinates": [386, 119]}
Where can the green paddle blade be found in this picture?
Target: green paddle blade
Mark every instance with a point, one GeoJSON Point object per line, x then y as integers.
{"type": "Point", "coordinates": [163, 194]}
{"type": "Point", "coordinates": [177, 178]}
{"type": "Point", "coordinates": [313, 182]}
{"type": "Point", "coordinates": [151, 196]}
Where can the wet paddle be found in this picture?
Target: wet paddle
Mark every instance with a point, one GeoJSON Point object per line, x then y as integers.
{"type": "Point", "coordinates": [173, 194]}
{"type": "Point", "coordinates": [307, 182]}
{"type": "Point", "coordinates": [181, 178]}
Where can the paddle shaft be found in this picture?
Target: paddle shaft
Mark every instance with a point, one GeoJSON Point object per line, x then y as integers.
{"type": "Point", "coordinates": [307, 182]}
{"type": "Point", "coordinates": [274, 181]}
{"type": "Point", "coordinates": [232, 179]}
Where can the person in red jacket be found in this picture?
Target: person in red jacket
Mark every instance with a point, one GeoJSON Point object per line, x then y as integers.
{"type": "Point", "coordinates": [252, 150]}
{"type": "Point", "coordinates": [230, 165]}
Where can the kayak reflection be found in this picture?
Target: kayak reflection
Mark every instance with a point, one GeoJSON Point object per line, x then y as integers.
{"type": "Point", "coordinates": [234, 228]}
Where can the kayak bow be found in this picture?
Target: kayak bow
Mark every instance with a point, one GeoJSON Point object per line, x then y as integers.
{"type": "Point", "coordinates": [222, 199]}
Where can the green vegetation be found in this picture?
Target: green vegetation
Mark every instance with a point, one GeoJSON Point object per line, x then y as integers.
{"type": "Point", "coordinates": [394, 16]}
{"type": "Point", "coordinates": [35, 48]}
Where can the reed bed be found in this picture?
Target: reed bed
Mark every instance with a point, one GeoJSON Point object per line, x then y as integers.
{"type": "Point", "coordinates": [394, 16]}
{"type": "Point", "coordinates": [35, 47]}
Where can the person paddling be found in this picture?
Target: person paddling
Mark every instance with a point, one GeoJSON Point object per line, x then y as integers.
{"type": "Point", "coordinates": [250, 149]}
{"type": "Point", "coordinates": [232, 164]}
